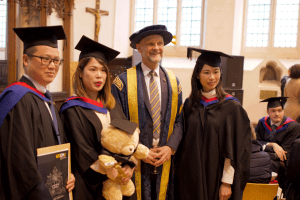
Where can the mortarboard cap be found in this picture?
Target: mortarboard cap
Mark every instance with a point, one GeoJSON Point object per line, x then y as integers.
{"type": "Point", "coordinates": [44, 35]}
{"type": "Point", "coordinates": [274, 102]}
{"type": "Point", "coordinates": [211, 58]}
{"type": "Point", "coordinates": [136, 37]}
{"type": "Point", "coordinates": [91, 48]}
{"type": "Point", "coordinates": [125, 125]}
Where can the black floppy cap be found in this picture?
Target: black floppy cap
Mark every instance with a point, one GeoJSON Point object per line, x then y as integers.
{"type": "Point", "coordinates": [274, 102]}
{"type": "Point", "coordinates": [136, 37]}
{"type": "Point", "coordinates": [43, 35]}
{"type": "Point", "coordinates": [211, 58]}
{"type": "Point", "coordinates": [125, 125]}
{"type": "Point", "coordinates": [91, 48]}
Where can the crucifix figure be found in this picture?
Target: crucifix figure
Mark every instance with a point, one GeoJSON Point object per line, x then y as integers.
{"type": "Point", "coordinates": [98, 13]}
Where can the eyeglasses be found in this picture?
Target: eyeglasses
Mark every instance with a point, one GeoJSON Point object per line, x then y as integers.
{"type": "Point", "coordinates": [47, 60]}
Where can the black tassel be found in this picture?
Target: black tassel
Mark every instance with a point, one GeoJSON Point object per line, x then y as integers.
{"type": "Point", "coordinates": [189, 52]}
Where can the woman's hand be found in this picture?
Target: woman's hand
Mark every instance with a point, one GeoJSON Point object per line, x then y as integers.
{"type": "Point", "coordinates": [128, 172]}
{"type": "Point", "coordinates": [225, 191]}
{"type": "Point", "coordinates": [71, 183]}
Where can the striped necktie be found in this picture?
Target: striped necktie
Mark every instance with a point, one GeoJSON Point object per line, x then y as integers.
{"type": "Point", "coordinates": [272, 134]}
{"type": "Point", "coordinates": [51, 106]}
{"type": "Point", "coordinates": [155, 105]}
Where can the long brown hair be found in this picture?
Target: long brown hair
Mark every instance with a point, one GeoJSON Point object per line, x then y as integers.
{"type": "Point", "coordinates": [196, 94]}
{"type": "Point", "coordinates": [104, 94]}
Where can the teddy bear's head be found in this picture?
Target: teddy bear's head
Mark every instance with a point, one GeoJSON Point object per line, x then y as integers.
{"type": "Point", "coordinates": [118, 141]}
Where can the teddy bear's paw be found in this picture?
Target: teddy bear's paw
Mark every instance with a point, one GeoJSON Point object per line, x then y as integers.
{"type": "Point", "coordinates": [107, 161]}
{"type": "Point", "coordinates": [141, 152]}
{"type": "Point", "coordinates": [111, 190]}
{"type": "Point", "coordinates": [128, 189]}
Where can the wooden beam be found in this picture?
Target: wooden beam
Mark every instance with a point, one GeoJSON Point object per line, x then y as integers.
{"type": "Point", "coordinates": [44, 4]}
{"type": "Point", "coordinates": [11, 42]}
{"type": "Point", "coordinates": [67, 46]}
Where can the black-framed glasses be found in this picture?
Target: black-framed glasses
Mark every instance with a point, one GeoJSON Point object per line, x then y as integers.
{"type": "Point", "coordinates": [47, 60]}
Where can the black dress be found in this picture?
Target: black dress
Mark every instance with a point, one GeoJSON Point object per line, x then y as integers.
{"type": "Point", "coordinates": [212, 133]}
{"type": "Point", "coordinates": [27, 126]}
{"type": "Point", "coordinates": [83, 131]}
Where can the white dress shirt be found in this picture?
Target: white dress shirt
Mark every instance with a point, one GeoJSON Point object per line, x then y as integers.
{"type": "Point", "coordinates": [228, 170]}
{"type": "Point", "coordinates": [40, 88]}
{"type": "Point", "coordinates": [147, 76]}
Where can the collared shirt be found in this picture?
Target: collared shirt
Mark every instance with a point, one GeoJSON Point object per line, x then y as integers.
{"type": "Point", "coordinates": [147, 76]}
{"type": "Point", "coordinates": [271, 123]}
{"type": "Point", "coordinates": [228, 170]}
{"type": "Point", "coordinates": [40, 88]}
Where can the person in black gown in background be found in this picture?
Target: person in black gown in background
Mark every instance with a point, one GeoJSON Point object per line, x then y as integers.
{"type": "Point", "coordinates": [213, 160]}
{"type": "Point", "coordinates": [276, 133]}
{"type": "Point", "coordinates": [85, 115]}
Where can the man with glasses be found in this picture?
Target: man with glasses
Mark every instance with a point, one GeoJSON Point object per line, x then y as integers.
{"type": "Point", "coordinates": [28, 120]}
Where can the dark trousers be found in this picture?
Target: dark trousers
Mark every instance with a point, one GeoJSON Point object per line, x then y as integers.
{"type": "Point", "coordinates": [153, 186]}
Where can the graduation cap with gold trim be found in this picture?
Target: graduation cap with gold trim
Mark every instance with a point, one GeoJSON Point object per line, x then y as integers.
{"type": "Point", "coordinates": [274, 102]}
{"type": "Point", "coordinates": [91, 48]}
{"type": "Point", "coordinates": [211, 58]}
{"type": "Point", "coordinates": [43, 35]}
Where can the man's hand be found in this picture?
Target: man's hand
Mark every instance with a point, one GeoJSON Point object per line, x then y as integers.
{"type": "Point", "coordinates": [225, 191]}
{"type": "Point", "coordinates": [71, 183]}
{"type": "Point", "coordinates": [128, 172]}
{"type": "Point", "coordinates": [279, 151]}
{"type": "Point", "coordinates": [163, 154]}
{"type": "Point", "coordinates": [152, 157]}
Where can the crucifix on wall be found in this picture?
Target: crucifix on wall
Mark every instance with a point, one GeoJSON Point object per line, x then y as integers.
{"type": "Point", "coordinates": [98, 13]}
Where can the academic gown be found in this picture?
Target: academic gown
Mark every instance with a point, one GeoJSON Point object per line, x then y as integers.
{"type": "Point", "coordinates": [211, 134]}
{"type": "Point", "coordinates": [293, 173]}
{"type": "Point", "coordinates": [27, 126]}
{"type": "Point", "coordinates": [83, 131]}
{"type": "Point", "coordinates": [285, 135]}
{"type": "Point", "coordinates": [122, 93]}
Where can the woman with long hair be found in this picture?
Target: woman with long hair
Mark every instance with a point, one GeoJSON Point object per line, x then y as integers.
{"type": "Point", "coordinates": [213, 159]}
{"type": "Point", "coordinates": [86, 114]}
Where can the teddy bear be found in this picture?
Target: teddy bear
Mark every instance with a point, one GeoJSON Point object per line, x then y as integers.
{"type": "Point", "coordinates": [120, 142]}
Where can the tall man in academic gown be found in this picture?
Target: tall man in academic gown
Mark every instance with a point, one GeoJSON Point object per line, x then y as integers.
{"type": "Point", "coordinates": [28, 119]}
{"type": "Point", "coordinates": [151, 96]}
{"type": "Point", "coordinates": [276, 133]}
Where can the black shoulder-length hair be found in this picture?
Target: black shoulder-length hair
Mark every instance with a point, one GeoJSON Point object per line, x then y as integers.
{"type": "Point", "coordinates": [196, 94]}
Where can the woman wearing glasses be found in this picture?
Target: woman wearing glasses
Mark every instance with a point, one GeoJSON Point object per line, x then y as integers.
{"type": "Point", "coordinates": [86, 114]}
